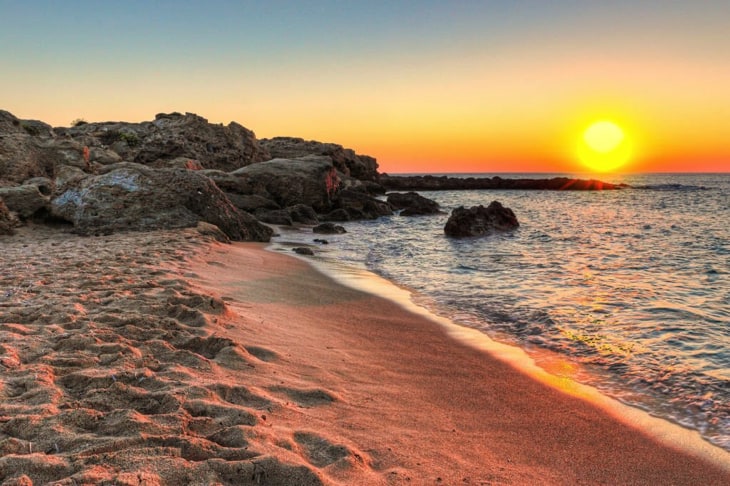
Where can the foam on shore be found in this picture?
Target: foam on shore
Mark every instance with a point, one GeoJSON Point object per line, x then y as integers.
{"type": "Point", "coordinates": [665, 432]}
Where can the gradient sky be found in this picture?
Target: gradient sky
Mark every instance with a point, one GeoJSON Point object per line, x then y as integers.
{"type": "Point", "coordinates": [423, 86]}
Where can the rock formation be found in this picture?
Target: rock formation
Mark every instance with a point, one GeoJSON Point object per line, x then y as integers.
{"type": "Point", "coordinates": [169, 137]}
{"type": "Point", "coordinates": [345, 160]}
{"type": "Point", "coordinates": [310, 180]}
{"type": "Point", "coordinates": [478, 220]}
{"type": "Point", "coordinates": [26, 150]}
{"type": "Point", "coordinates": [131, 196]}
{"type": "Point", "coordinates": [412, 204]}
{"type": "Point", "coordinates": [178, 170]}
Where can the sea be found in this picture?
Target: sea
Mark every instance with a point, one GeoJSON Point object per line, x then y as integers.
{"type": "Point", "coordinates": [631, 287]}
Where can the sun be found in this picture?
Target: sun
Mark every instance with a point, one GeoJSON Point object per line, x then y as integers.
{"type": "Point", "coordinates": [604, 146]}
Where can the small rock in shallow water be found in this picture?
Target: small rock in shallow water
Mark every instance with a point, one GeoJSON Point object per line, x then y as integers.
{"type": "Point", "coordinates": [303, 251]}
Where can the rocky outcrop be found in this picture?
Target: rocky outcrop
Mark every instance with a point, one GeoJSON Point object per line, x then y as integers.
{"type": "Point", "coordinates": [478, 220]}
{"type": "Point", "coordinates": [412, 204]}
{"type": "Point", "coordinates": [345, 160]}
{"type": "Point", "coordinates": [130, 196]}
{"type": "Point", "coordinates": [170, 137]}
{"type": "Point", "coordinates": [25, 149]}
{"type": "Point", "coordinates": [443, 183]}
{"type": "Point", "coordinates": [310, 180]}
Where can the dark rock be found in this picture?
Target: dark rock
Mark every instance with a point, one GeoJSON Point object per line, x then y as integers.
{"type": "Point", "coordinates": [321, 241]}
{"type": "Point", "coordinates": [129, 196]}
{"type": "Point", "coordinates": [275, 216]}
{"type": "Point", "coordinates": [310, 180]}
{"type": "Point", "coordinates": [301, 250]}
{"type": "Point", "coordinates": [301, 213]}
{"type": "Point", "coordinates": [360, 205]}
{"type": "Point", "coordinates": [26, 200]}
{"type": "Point", "coordinates": [478, 220]}
{"type": "Point", "coordinates": [412, 204]}
{"type": "Point", "coordinates": [329, 229]}
{"type": "Point", "coordinates": [7, 220]}
{"type": "Point", "coordinates": [336, 215]}
{"type": "Point", "coordinates": [443, 183]}
{"type": "Point", "coordinates": [345, 160]}
{"type": "Point", "coordinates": [251, 203]}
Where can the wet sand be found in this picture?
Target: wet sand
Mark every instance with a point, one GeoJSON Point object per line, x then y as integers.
{"type": "Point", "coordinates": [169, 358]}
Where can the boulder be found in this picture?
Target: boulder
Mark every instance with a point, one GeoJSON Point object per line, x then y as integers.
{"type": "Point", "coordinates": [478, 220]}
{"type": "Point", "coordinates": [26, 200]}
{"type": "Point", "coordinates": [412, 204]}
{"type": "Point", "coordinates": [274, 216]}
{"type": "Point", "coordinates": [336, 215]}
{"type": "Point", "coordinates": [128, 196]}
{"type": "Point", "coordinates": [251, 203]}
{"type": "Point", "coordinates": [329, 229]}
{"type": "Point", "coordinates": [301, 213]}
{"type": "Point", "coordinates": [345, 160]}
{"type": "Point", "coordinates": [310, 180]}
{"type": "Point", "coordinates": [360, 205]}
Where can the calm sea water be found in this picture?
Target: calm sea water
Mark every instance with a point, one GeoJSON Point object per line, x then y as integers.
{"type": "Point", "coordinates": [633, 286]}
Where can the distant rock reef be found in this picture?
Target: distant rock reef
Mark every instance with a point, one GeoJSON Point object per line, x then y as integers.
{"type": "Point", "coordinates": [446, 183]}
{"type": "Point", "coordinates": [179, 170]}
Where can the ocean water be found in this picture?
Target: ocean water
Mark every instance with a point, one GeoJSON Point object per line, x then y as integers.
{"type": "Point", "coordinates": [630, 286]}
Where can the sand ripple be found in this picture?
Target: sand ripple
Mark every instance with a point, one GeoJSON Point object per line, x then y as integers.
{"type": "Point", "coordinates": [111, 369]}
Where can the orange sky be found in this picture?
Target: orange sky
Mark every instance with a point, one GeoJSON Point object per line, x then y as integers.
{"type": "Point", "coordinates": [423, 87]}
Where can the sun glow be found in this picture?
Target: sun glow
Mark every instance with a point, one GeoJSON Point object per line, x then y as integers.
{"type": "Point", "coordinates": [604, 146]}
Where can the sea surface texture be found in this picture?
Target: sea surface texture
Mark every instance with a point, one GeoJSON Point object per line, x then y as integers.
{"type": "Point", "coordinates": [630, 287]}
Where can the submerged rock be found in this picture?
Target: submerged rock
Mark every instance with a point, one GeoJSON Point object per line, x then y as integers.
{"type": "Point", "coordinates": [329, 229]}
{"type": "Point", "coordinates": [413, 204]}
{"type": "Point", "coordinates": [478, 220]}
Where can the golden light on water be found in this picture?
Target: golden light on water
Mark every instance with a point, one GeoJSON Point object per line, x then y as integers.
{"type": "Point", "coordinates": [604, 146]}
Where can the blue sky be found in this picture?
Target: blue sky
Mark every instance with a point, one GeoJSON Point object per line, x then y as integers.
{"type": "Point", "coordinates": [350, 72]}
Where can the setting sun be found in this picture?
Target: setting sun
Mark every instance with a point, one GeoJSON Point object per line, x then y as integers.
{"type": "Point", "coordinates": [604, 146]}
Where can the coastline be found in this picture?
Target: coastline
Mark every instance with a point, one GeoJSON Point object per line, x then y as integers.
{"type": "Point", "coordinates": [509, 427]}
{"type": "Point", "coordinates": [169, 358]}
{"type": "Point", "coordinates": [545, 366]}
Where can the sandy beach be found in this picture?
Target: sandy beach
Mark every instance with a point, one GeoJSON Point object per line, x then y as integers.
{"type": "Point", "coordinates": [169, 358]}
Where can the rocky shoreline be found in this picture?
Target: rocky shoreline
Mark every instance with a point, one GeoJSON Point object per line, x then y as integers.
{"type": "Point", "coordinates": [179, 170]}
{"type": "Point", "coordinates": [447, 183]}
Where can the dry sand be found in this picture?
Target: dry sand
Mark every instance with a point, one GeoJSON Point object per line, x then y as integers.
{"type": "Point", "coordinates": [169, 358]}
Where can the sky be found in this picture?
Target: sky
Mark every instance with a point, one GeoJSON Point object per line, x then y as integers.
{"type": "Point", "coordinates": [423, 86]}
